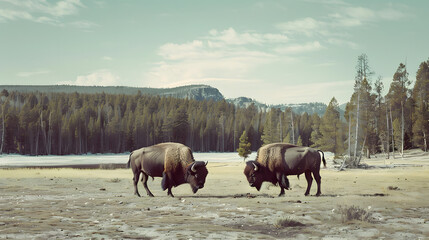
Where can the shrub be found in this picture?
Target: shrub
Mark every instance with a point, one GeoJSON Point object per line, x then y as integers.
{"type": "Point", "coordinates": [114, 180]}
{"type": "Point", "coordinates": [287, 222]}
{"type": "Point", "coordinates": [354, 213]}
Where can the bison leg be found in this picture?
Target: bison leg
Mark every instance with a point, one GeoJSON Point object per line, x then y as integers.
{"type": "Point", "coordinates": [169, 193]}
{"type": "Point", "coordinates": [283, 183]}
{"type": "Point", "coordinates": [166, 184]}
{"type": "Point", "coordinates": [135, 181]}
{"type": "Point", "coordinates": [318, 181]}
{"type": "Point", "coordinates": [144, 181]}
{"type": "Point", "coordinates": [309, 182]}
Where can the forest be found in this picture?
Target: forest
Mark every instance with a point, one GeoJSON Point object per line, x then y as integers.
{"type": "Point", "coordinates": [38, 123]}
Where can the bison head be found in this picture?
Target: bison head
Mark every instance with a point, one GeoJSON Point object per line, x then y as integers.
{"type": "Point", "coordinates": [196, 175]}
{"type": "Point", "coordinates": [254, 174]}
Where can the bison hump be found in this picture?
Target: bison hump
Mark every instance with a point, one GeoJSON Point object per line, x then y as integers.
{"type": "Point", "coordinates": [177, 158]}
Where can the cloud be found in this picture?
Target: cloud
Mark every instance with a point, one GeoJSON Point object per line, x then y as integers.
{"type": "Point", "coordinates": [225, 55]}
{"type": "Point", "coordinates": [42, 11]}
{"type": "Point", "coordinates": [231, 37]}
{"type": "Point", "coordinates": [7, 14]}
{"type": "Point", "coordinates": [300, 48]}
{"type": "Point", "coordinates": [172, 51]}
{"type": "Point", "coordinates": [334, 28]}
{"type": "Point", "coordinates": [59, 9]}
{"type": "Point", "coordinates": [308, 26]}
{"type": "Point", "coordinates": [102, 77]}
{"type": "Point", "coordinates": [391, 14]}
{"type": "Point", "coordinates": [107, 58]}
{"type": "Point", "coordinates": [30, 74]}
{"type": "Point", "coordinates": [358, 16]}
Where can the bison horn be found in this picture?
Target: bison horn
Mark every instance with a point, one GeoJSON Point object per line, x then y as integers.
{"type": "Point", "coordinates": [206, 163]}
{"type": "Point", "coordinates": [255, 167]}
{"type": "Point", "coordinates": [193, 167]}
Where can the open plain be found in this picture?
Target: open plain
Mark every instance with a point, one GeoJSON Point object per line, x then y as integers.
{"type": "Point", "coordinates": [67, 203]}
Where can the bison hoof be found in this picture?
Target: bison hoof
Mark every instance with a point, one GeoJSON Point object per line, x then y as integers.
{"type": "Point", "coordinates": [137, 194]}
{"type": "Point", "coordinates": [318, 194]}
{"type": "Point", "coordinates": [305, 194]}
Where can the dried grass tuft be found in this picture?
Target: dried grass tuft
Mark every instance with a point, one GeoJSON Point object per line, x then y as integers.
{"type": "Point", "coordinates": [350, 213]}
{"type": "Point", "coordinates": [287, 222]}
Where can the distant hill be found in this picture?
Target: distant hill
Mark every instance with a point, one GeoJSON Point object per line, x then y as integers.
{"type": "Point", "coordinates": [197, 92]}
{"type": "Point", "coordinates": [300, 108]}
{"type": "Point", "coordinates": [245, 102]}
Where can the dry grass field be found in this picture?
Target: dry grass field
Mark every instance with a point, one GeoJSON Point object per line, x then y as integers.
{"type": "Point", "coordinates": [390, 200]}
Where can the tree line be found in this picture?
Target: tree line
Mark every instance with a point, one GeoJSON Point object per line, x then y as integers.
{"type": "Point", "coordinates": [37, 123]}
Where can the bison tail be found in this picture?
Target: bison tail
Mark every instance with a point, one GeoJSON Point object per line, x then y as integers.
{"type": "Point", "coordinates": [129, 160]}
{"type": "Point", "coordinates": [323, 158]}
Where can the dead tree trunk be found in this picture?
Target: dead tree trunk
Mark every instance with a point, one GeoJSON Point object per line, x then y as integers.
{"type": "Point", "coordinates": [357, 126]}
{"type": "Point", "coordinates": [50, 134]}
{"type": "Point", "coordinates": [281, 128]}
{"type": "Point", "coordinates": [388, 135]}
{"type": "Point", "coordinates": [424, 141]}
{"type": "Point", "coordinates": [2, 133]}
{"type": "Point", "coordinates": [350, 128]}
{"type": "Point", "coordinates": [402, 129]}
{"type": "Point", "coordinates": [293, 128]}
{"type": "Point", "coordinates": [393, 137]}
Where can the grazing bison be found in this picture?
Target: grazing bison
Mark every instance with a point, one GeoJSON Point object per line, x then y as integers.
{"type": "Point", "coordinates": [274, 162]}
{"type": "Point", "coordinates": [173, 162]}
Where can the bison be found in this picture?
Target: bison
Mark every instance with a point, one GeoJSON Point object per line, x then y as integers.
{"type": "Point", "coordinates": [173, 162]}
{"type": "Point", "coordinates": [274, 162]}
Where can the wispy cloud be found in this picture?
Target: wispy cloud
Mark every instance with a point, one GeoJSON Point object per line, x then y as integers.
{"type": "Point", "coordinates": [225, 55]}
{"type": "Point", "coordinates": [42, 11]}
{"type": "Point", "coordinates": [308, 26]}
{"type": "Point", "coordinates": [102, 77]}
{"type": "Point", "coordinates": [300, 48]}
{"type": "Point", "coordinates": [58, 9]}
{"type": "Point", "coordinates": [231, 37]}
{"type": "Point", "coordinates": [334, 27]}
{"type": "Point", "coordinates": [34, 73]}
{"type": "Point", "coordinates": [85, 25]}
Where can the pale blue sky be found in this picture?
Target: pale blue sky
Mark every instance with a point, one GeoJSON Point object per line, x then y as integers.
{"type": "Point", "coordinates": [272, 51]}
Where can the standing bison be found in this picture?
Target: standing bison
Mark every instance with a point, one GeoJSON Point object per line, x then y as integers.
{"type": "Point", "coordinates": [274, 162]}
{"type": "Point", "coordinates": [173, 162]}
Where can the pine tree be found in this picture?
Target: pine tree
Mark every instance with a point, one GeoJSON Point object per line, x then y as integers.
{"type": "Point", "coordinates": [421, 110]}
{"type": "Point", "coordinates": [244, 146]}
{"type": "Point", "coordinates": [398, 96]}
{"type": "Point", "coordinates": [271, 129]}
{"type": "Point", "coordinates": [331, 139]}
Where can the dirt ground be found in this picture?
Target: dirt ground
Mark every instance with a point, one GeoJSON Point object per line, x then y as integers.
{"type": "Point", "coordinates": [69, 203]}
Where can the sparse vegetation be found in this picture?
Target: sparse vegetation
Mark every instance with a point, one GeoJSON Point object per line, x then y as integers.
{"type": "Point", "coordinates": [393, 188]}
{"type": "Point", "coordinates": [114, 180]}
{"type": "Point", "coordinates": [350, 213]}
{"type": "Point", "coordinates": [287, 222]}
